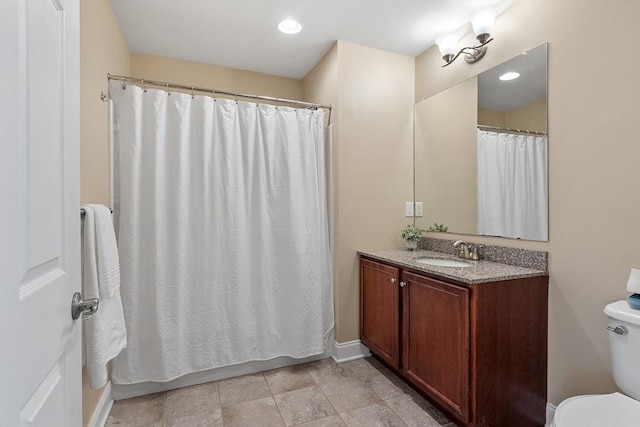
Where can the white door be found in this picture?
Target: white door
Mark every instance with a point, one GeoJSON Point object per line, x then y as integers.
{"type": "Point", "coordinates": [40, 357]}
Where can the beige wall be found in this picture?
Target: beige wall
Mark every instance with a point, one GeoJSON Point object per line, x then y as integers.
{"type": "Point", "coordinates": [372, 159]}
{"type": "Point", "coordinates": [530, 117]}
{"type": "Point", "coordinates": [594, 176]}
{"type": "Point", "coordinates": [102, 50]}
{"type": "Point", "coordinates": [213, 76]}
{"type": "Point", "coordinates": [321, 83]}
{"type": "Point", "coordinates": [445, 158]}
{"type": "Point", "coordinates": [490, 117]}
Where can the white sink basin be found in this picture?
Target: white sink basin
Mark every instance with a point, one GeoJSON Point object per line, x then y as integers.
{"type": "Point", "coordinates": [442, 262]}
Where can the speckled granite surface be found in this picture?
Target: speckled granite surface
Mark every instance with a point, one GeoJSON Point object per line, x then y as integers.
{"type": "Point", "coordinates": [537, 260]}
{"type": "Point", "coordinates": [478, 272]}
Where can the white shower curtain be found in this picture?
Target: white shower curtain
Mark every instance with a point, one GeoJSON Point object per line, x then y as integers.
{"type": "Point", "coordinates": [223, 232]}
{"type": "Point", "coordinates": [512, 185]}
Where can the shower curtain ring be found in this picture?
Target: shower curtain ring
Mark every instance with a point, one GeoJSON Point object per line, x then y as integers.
{"type": "Point", "coordinates": [124, 84]}
{"type": "Point", "coordinates": [192, 92]}
{"type": "Point", "coordinates": [144, 88]}
{"type": "Point", "coordinates": [168, 93]}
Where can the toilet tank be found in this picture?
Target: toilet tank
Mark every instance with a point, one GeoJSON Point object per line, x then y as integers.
{"type": "Point", "coordinates": [625, 348]}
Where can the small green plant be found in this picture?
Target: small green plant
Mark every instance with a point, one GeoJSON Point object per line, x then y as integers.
{"type": "Point", "coordinates": [441, 228]}
{"type": "Point", "coordinates": [412, 233]}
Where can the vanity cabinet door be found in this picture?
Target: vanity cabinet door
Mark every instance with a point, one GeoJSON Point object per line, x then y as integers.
{"type": "Point", "coordinates": [379, 310]}
{"type": "Point", "coordinates": [436, 340]}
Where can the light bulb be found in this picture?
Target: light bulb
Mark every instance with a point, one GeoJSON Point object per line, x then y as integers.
{"type": "Point", "coordinates": [290, 26]}
{"type": "Point", "coordinates": [483, 23]}
{"type": "Point", "coordinates": [448, 45]}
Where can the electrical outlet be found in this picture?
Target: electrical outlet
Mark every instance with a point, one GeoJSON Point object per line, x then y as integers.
{"type": "Point", "coordinates": [408, 209]}
{"type": "Point", "coordinates": [419, 211]}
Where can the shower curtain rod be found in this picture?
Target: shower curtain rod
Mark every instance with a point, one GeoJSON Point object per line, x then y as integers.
{"type": "Point", "coordinates": [168, 85]}
{"type": "Point", "coordinates": [507, 130]}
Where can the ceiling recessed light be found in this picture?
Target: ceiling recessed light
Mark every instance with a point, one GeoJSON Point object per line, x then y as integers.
{"type": "Point", "coordinates": [509, 76]}
{"type": "Point", "coordinates": [290, 26]}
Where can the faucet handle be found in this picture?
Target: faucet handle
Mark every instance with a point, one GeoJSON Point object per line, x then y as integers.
{"type": "Point", "coordinates": [475, 255]}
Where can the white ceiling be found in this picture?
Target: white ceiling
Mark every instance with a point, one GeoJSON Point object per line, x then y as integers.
{"type": "Point", "coordinates": [243, 33]}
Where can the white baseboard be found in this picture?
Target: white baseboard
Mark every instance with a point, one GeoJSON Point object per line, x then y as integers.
{"type": "Point", "coordinates": [101, 413]}
{"type": "Point", "coordinates": [350, 350]}
{"type": "Point", "coordinates": [551, 411]}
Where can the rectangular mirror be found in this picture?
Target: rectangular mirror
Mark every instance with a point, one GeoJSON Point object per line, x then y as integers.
{"type": "Point", "coordinates": [481, 163]}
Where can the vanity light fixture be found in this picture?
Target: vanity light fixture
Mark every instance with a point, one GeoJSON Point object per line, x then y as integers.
{"type": "Point", "coordinates": [511, 75]}
{"type": "Point", "coordinates": [290, 26]}
{"type": "Point", "coordinates": [482, 24]}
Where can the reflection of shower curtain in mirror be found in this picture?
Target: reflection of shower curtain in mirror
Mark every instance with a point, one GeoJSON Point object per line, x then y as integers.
{"type": "Point", "coordinates": [512, 185]}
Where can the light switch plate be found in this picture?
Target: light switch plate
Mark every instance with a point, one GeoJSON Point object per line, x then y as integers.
{"type": "Point", "coordinates": [408, 209]}
{"type": "Point", "coordinates": [419, 211]}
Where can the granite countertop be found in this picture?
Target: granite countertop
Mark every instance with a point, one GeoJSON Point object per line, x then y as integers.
{"type": "Point", "coordinates": [479, 272]}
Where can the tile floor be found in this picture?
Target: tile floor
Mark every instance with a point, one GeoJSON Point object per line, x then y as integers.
{"type": "Point", "coordinates": [317, 394]}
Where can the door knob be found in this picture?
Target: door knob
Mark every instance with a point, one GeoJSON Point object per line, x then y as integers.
{"type": "Point", "coordinates": [87, 307]}
{"type": "Point", "coordinates": [403, 284]}
{"type": "Point", "coordinates": [393, 280]}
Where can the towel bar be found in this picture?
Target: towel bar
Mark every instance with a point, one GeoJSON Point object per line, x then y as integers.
{"type": "Point", "coordinates": [82, 212]}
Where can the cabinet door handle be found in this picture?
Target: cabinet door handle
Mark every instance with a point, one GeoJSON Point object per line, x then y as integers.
{"type": "Point", "coordinates": [403, 284]}
{"type": "Point", "coordinates": [393, 280]}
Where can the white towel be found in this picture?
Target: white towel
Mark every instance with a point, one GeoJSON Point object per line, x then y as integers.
{"type": "Point", "coordinates": [105, 335]}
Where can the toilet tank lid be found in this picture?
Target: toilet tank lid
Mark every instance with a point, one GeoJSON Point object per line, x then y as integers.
{"type": "Point", "coordinates": [620, 310]}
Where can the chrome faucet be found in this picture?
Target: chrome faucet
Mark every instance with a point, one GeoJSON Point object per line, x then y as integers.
{"type": "Point", "coordinates": [463, 252]}
{"type": "Point", "coordinates": [466, 251]}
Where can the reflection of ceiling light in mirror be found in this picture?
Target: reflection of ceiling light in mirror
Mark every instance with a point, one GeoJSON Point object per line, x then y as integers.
{"type": "Point", "coordinates": [509, 76]}
{"type": "Point", "coordinates": [289, 26]}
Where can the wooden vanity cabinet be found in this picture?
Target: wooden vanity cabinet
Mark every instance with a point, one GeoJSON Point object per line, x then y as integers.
{"type": "Point", "coordinates": [435, 339]}
{"type": "Point", "coordinates": [478, 351]}
{"type": "Point", "coordinates": [380, 310]}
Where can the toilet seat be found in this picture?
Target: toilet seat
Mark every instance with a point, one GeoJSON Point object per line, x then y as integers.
{"type": "Point", "coordinates": [598, 410]}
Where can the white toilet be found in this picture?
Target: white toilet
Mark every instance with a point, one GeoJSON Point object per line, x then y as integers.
{"type": "Point", "coordinates": [615, 409]}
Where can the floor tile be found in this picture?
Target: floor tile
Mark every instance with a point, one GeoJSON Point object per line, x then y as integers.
{"type": "Point", "coordinates": [205, 419]}
{"type": "Point", "coordinates": [399, 383]}
{"type": "Point", "coordinates": [299, 406]}
{"type": "Point", "coordinates": [349, 393]}
{"type": "Point", "coordinates": [289, 378]}
{"type": "Point", "coordinates": [382, 386]}
{"type": "Point", "coordinates": [378, 415]}
{"type": "Point", "coordinates": [332, 421]}
{"type": "Point", "coordinates": [411, 413]}
{"type": "Point", "coordinates": [197, 399]}
{"type": "Point", "coordinates": [375, 363]}
{"type": "Point", "coordinates": [261, 412]}
{"type": "Point", "coordinates": [242, 389]}
{"type": "Point", "coordinates": [326, 370]}
{"type": "Point", "coordinates": [363, 392]}
{"type": "Point", "coordinates": [361, 367]}
{"type": "Point", "coordinates": [143, 411]}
